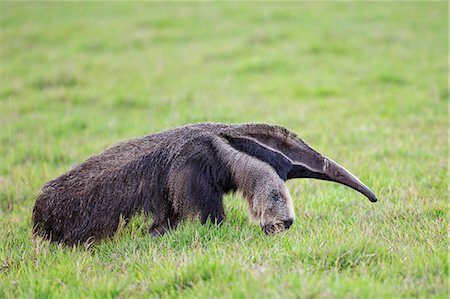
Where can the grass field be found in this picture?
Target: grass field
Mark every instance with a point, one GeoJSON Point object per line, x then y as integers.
{"type": "Point", "coordinates": [363, 83]}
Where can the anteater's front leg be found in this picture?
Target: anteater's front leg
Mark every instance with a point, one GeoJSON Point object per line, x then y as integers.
{"type": "Point", "coordinates": [212, 209]}
{"type": "Point", "coordinates": [197, 187]}
{"type": "Point", "coordinates": [164, 223]}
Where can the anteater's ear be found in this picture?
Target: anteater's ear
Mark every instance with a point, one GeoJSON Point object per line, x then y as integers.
{"type": "Point", "coordinates": [260, 151]}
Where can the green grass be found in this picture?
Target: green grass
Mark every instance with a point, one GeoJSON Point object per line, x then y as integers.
{"type": "Point", "coordinates": [363, 83]}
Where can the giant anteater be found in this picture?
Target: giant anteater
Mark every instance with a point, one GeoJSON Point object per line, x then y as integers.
{"type": "Point", "coordinates": [183, 172]}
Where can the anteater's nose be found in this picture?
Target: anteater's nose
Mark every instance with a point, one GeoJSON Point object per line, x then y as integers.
{"type": "Point", "coordinates": [288, 223]}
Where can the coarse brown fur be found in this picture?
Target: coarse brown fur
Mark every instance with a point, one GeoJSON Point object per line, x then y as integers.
{"type": "Point", "coordinates": [175, 174]}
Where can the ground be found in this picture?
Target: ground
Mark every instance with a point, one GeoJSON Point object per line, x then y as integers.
{"type": "Point", "coordinates": [363, 83]}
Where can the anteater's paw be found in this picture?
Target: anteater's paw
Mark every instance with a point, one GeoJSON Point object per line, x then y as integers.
{"type": "Point", "coordinates": [158, 231]}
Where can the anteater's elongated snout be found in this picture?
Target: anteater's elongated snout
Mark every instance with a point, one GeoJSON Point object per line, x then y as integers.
{"type": "Point", "coordinates": [336, 173]}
